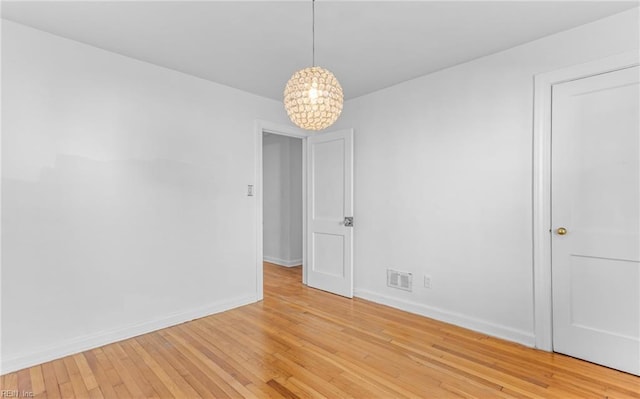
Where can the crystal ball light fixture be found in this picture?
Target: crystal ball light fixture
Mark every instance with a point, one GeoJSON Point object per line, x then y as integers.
{"type": "Point", "coordinates": [313, 98]}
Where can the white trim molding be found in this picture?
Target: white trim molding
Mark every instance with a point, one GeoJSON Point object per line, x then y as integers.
{"type": "Point", "coordinates": [262, 127]}
{"type": "Point", "coordinates": [543, 84]}
{"type": "Point", "coordinates": [87, 342]}
{"type": "Point", "coordinates": [283, 262]}
{"type": "Point", "coordinates": [482, 326]}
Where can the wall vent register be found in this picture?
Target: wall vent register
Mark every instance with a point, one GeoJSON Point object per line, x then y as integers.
{"type": "Point", "coordinates": [400, 280]}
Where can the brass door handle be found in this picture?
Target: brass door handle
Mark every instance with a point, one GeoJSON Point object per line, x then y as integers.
{"type": "Point", "coordinates": [561, 231]}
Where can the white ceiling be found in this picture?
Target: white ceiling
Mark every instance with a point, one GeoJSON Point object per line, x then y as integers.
{"type": "Point", "coordinates": [256, 46]}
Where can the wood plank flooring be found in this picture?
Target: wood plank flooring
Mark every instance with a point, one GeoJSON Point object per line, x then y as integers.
{"type": "Point", "coordinates": [304, 343]}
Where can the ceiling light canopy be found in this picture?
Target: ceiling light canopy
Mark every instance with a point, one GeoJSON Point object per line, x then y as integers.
{"type": "Point", "coordinates": [313, 96]}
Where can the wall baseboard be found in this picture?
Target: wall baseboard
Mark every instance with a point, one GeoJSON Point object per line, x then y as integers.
{"type": "Point", "coordinates": [282, 262]}
{"type": "Point", "coordinates": [485, 327]}
{"type": "Point", "coordinates": [81, 344]}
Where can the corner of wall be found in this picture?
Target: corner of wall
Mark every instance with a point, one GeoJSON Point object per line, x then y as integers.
{"type": "Point", "coordinates": [87, 342]}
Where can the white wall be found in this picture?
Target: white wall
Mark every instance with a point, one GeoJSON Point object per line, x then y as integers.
{"type": "Point", "coordinates": [124, 196]}
{"type": "Point", "coordinates": [282, 191]}
{"type": "Point", "coordinates": [443, 181]}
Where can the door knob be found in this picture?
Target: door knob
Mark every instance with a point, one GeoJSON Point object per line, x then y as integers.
{"type": "Point", "coordinates": [561, 231]}
{"type": "Point", "coordinates": [348, 221]}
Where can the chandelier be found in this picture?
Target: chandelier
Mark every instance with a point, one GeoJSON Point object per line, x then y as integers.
{"type": "Point", "coordinates": [313, 96]}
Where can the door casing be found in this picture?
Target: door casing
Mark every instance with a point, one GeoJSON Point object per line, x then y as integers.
{"type": "Point", "coordinates": [262, 127]}
{"type": "Point", "coordinates": [543, 83]}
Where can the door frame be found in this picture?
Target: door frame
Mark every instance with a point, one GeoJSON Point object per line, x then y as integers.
{"type": "Point", "coordinates": [262, 127]}
{"type": "Point", "coordinates": [543, 83]}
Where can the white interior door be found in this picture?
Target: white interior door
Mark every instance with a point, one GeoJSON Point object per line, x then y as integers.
{"type": "Point", "coordinates": [330, 201]}
{"type": "Point", "coordinates": [596, 198]}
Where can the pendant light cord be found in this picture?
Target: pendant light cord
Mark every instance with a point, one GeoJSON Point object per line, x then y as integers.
{"type": "Point", "coordinates": [313, 33]}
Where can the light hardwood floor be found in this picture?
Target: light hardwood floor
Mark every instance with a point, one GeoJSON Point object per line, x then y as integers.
{"type": "Point", "coordinates": [300, 342]}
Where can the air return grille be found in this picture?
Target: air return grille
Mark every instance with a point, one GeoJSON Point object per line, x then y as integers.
{"type": "Point", "coordinates": [400, 280]}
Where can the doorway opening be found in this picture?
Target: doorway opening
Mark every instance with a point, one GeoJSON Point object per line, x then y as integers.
{"type": "Point", "coordinates": [282, 192]}
{"type": "Point", "coordinates": [327, 188]}
{"type": "Point", "coordinates": [274, 132]}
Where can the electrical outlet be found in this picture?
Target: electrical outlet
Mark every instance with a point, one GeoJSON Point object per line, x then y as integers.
{"type": "Point", "coordinates": [427, 281]}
